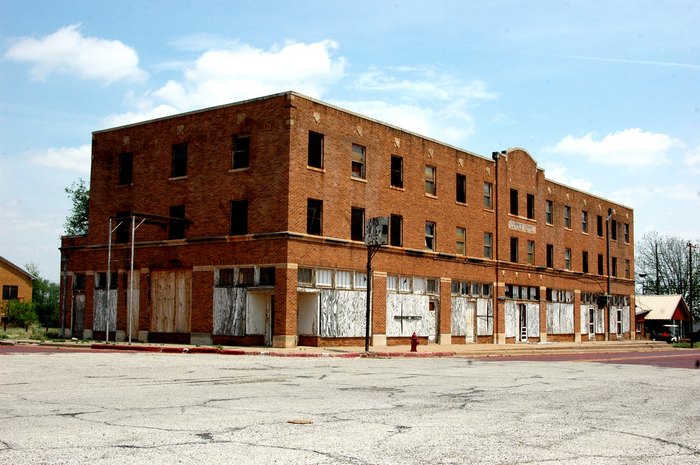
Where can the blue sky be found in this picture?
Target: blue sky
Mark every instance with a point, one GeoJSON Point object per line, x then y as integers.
{"type": "Point", "coordinates": [605, 95]}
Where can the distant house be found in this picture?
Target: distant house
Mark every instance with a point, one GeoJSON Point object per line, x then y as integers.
{"type": "Point", "coordinates": [659, 314]}
{"type": "Point", "coordinates": [15, 282]}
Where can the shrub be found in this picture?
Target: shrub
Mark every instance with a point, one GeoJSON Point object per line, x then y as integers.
{"type": "Point", "coordinates": [21, 314]}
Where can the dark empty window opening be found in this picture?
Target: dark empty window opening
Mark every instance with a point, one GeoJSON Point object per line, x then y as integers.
{"type": "Point", "coordinates": [241, 151]}
{"type": "Point", "coordinates": [239, 217]}
{"type": "Point", "coordinates": [584, 261]}
{"type": "Point", "coordinates": [395, 230]}
{"type": "Point", "coordinates": [122, 223]}
{"type": "Point", "coordinates": [530, 206]}
{"type": "Point", "coordinates": [550, 256]}
{"type": "Point", "coordinates": [179, 161]}
{"type": "Point", "coordinates": [357, 224]}
{"type": "Point", "coordinates": [246, 277]}
{"type": "Point", "coordinates": [396, 171]}
{"type": "Point", "coordinates": [514, 202]}
{"type": "Point", "coordinates": [613, 230]}
{"type": "Point", "coordinates": [600, 264]}
{"type": "Point", "coordinates": [315, 155]}
{"type": "Point", "coordinates": [314, 216]}
{"type": "Point", "coordinates": [225, 277]}
{"type": "Point", "coordinates": [101, 280]}
{"type": "Point", "coordinates": [599, 224]}
{"type": "Point", "coordinates": [461, 188]}
{"type": "Point", "coordinates": [267, 276]}
{"type": "Point", "coordinates": [514, 249]}
{"type": "Point", "coordinates": [177, 227]}
{"type": "Point", "coordinates": [126, 168]}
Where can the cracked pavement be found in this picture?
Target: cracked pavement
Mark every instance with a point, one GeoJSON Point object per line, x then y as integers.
{"type": "Point", "coordinates": [96, 408]}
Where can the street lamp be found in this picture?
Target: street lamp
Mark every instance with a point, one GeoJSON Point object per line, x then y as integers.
{"type": "Point", "coordinates": [690, 288]}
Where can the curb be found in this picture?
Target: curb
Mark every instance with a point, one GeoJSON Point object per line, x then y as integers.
{"type": "Point", "coordinates": [217, 351]}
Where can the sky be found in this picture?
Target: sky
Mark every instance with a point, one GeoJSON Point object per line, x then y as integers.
{"type": "Point", "coordinates": [605, 95]}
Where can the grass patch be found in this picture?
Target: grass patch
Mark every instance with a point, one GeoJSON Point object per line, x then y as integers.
{"type": "Point", "coordinates": [34, 333]}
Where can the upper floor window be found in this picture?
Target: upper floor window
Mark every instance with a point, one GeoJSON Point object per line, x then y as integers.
{"type": "Point", "coordinates": [599, 224]}
{"type": "Point", "coordinates": [314, 216]}
{"type": "Point", "coordinates": [396, 230]}
{"type": "Point", "coordinates": [613, 230]}
{"type": "Point", "coordinates": [461, 241]}
{"type": "Point", "coordinates": [514, 202]}
{"type": "Point", "coordinates": [600, 264]}
{"type": "Point", "coordinates": [531, 252]}
{"type": "Point", "coordinates": [461, 189]}
{"type": "Point", "coordinates": [430, 180]}
{"type": "Point", "coordinates": [567, 217]}
{"type": "Point", "coordinates": [239, 217]}
{"type": "Point", "coordinates": [488, 245]}
{"type": "Point", "coordinates": [126, 168]}
{"type": "Point", "coordinates": [358, 162]}
{"type": "Point", "coordinates": [122, 226]}
{"type": "Point", "coordinates": [488, 195]}
{"type": "Point", "coordinates": [357, 224]}
{"type": "Point", "coordinates": [584, 221]}
{"type": "Point", "coordinates": [430, 235]}
{"type": "Point", "coordinates": [549, 212]}
{"type": "Point", "coordinates": [584, 261]}
{"type": "Point", "coordinates": [396, 171]}
{"type": "Point", "coordinates": [176, 229]}
{"type": "Point", "coordinates": [514, 249]}
{"type": "Point", "coordinates": [550, 256]}
{"type": "Point", "coordinates": [626, 232]}
{"type": "Point", "coordinates": [315, 155]}
{"type": "Point", "coordinates": [241, 152]}
{"type": "Point", "coordinates": [614, 266]}
{"type": "Point", "coordinates": [567, 258]}
{"type": "Point", "coordinates": [530, 206]}
{"type": "Point", "coordinates": [179, 161]}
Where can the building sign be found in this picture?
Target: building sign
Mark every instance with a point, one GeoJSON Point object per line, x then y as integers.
{"type": "Point", "coordinates": [522, 227]}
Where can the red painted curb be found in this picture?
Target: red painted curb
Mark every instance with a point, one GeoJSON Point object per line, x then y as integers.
{"type": "Point", "coordinates": [126, 347]}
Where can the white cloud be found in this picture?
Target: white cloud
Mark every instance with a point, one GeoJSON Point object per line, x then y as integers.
{"type": "Point", "coordinates": [222, 76]}
{"type": "Point", "coordinates": [75, 159]}
{"type": "Point", "coordinates": [692, 159]}
{"type": "Point", "coordinates": [68, 51]}
{"type": "Point", "coordinates": [630, 147]}
{"type": "Point", "coordinates": [236, 73]}
{"type": "Point", "coordinates": [560, 174]}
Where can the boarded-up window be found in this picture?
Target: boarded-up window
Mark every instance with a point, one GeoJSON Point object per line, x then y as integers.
{"type": "Point", "coordinates": [171, 297]}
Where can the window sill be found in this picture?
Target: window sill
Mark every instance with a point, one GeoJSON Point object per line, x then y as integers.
{"type": "Point", "coordinates": [125, 186]}
{"type": "Point", "coordinates": [355, 178]}
{"type": "Point", "coordinates": [461, 203]}
{"type": "Point", "coordinates": [397, 188]}
{"type": "Point", "coordinates": [315, 168]}
{"type": "Point", "coordinates": [236, 170]}
{"type": "Point", "coordinates": [431, 196]}
{"type": "Point", "coordinates": [177, 178]}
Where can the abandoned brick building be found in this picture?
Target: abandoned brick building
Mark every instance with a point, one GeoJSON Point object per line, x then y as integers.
{"type": "Point", "coordinates": [244, 224]}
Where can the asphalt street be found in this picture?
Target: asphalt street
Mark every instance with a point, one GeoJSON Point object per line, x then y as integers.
{"type": "Point", "coordinates": [114, 408]}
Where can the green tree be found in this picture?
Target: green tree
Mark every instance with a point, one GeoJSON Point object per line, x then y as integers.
{"type": "Point", "coordinates": [20, 314]}
{"type": "Point", "coordinates": [45, 296]}
{"type": "Point", "coordinates": [77, 221]}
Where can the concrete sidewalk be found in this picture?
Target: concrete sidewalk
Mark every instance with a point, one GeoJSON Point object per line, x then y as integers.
{"type": "Point", "coordinates": [429, 350]}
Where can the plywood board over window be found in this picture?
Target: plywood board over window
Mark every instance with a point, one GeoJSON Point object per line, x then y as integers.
{"type": "Point", "coordinates": [171, 297]}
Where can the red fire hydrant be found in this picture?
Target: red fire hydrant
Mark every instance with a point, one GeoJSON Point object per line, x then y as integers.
{"type": "Point", "coordinates": [414, 342]}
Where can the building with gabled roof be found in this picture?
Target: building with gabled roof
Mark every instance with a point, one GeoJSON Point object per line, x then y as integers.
{"type": "Point", "coordinates": [656, 313]}
{"type": "Point", "coordinates": [15, 282]}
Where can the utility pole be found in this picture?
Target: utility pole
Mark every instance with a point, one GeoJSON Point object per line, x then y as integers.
{"type": "Point", "coordinates": [376, 235]}
{"type": "Point", "coordinates": [657, 286]}
{"type": "Point", "coordinates": [690, 288]}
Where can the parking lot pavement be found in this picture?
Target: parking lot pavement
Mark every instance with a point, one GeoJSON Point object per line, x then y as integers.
{"type": "Point", "coordinates": [109, 408]}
